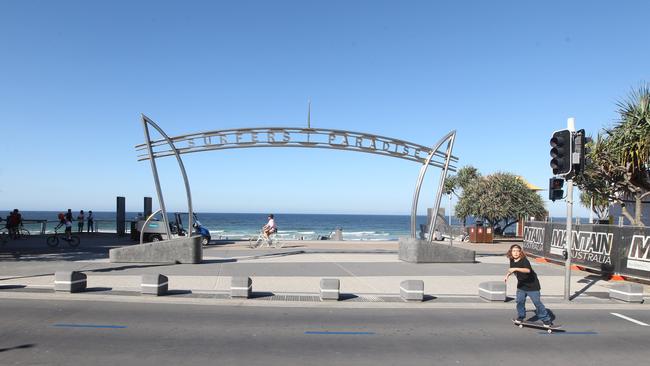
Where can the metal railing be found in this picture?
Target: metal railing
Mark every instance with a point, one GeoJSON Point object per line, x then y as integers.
{"type": "Point", "coordinates": [42, 227]}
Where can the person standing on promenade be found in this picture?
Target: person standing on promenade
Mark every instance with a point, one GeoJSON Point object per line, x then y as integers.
{"type": "Point", "coordinates": [527, 285]}
{"type": "Point", "coordinates": [269, 228]}
{"type": "Point", "coordinates": [91, 221]}
{"type": "Point", "coordinates": [80, 221]}
{"type": "Point", "coordinates": [14, 221]}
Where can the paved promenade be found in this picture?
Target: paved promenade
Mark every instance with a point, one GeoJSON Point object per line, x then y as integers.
{"type": "Point", "coordinates": [370, 272]}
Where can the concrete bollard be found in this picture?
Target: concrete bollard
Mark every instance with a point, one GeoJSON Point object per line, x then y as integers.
{"type": "Point", "coordinates": [330, 289]}
{"type": "Point", "coordinates": [69, 281]}
{"type": "Point", "coordinates": [154, 284]}
{"type": "Point", "coordinates": [412, 290]}
{"type": "Point", "coordinates": [241, 287]}
{"type": "Point", "coordinates": [628, 292]}
{"type": "Point", "coordinates": [492, 290]}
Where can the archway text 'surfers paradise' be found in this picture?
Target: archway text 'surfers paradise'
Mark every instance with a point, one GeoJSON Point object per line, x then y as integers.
{"type": "Point", "coordinates": [438, 156]}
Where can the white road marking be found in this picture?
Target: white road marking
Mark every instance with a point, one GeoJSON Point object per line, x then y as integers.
{"type": "Point", "coordinates": [630, 319]}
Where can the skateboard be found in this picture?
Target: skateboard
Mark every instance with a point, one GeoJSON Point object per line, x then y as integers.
{"type": "Point", "coordinates": [551, 329]}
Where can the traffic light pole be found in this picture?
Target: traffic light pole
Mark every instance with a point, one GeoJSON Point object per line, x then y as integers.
{"type": "Point", "coordinates": [569, 240]}
{"type": "Point", "coordinates": [569, 218]}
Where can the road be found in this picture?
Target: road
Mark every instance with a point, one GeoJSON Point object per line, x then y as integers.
{"type": "Point", "coordinates": [54, 332]}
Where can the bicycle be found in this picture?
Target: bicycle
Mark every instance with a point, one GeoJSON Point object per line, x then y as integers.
{"type": "Point", "coordinates": [53, 240]}
{"type": "Point", "coordinates": [4, 236]}
{"type": "Point", "coordinates": [22, 233]}
{"type": "Point", "coordinates": [260, 241]}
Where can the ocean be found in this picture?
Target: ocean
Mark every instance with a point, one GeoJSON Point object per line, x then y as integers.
{"type": "Point", "coordinates": [235, 226]}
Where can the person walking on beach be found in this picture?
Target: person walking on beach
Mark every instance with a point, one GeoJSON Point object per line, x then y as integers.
{"type": "Point", "coordinates": [527, 285]}
{"type": "Point", "coordinates": [80, 221]}
{"type": "Point", "coordinates": [91, 221]}
{"type": "Point", "coordinates": [269, 228]}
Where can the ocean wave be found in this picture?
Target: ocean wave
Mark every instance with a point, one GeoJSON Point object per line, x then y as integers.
{"type": "Point", "coordinates": [357, 233]}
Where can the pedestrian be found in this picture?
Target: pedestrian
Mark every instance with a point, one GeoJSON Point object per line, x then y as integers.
{"type": "Point", "coordinates": [91, 222]}
{"type": "Point", "coordinates": [80, 221]}
{"type": "Point", "coordinates": [14, 221]}
{"type": "Point", "coordinates": [527, 286]}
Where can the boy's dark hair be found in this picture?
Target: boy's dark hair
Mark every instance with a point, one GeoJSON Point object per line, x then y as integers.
{"type": "Point", "coordinates": [509, 253]}
{"type": "Point", "coordinates": [271, 215]}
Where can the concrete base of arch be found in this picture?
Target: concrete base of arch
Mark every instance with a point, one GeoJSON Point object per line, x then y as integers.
{"type": "Point", "coordinates": [421, 251]}
{"type": "Point", "coordinates": [180, 250]}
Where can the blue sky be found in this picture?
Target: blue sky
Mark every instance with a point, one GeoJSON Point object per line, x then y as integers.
{"type": "Point", "coordinates": [75, 76]}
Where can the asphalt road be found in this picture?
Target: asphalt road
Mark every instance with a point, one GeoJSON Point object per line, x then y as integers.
{"type": "Point", "coordinates": [37, 332]}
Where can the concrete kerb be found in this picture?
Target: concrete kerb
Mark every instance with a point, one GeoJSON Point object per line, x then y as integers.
{"type": "Point", "coordinates": [241, 287]}
{"type": "Point", "coordinates": [330, 289]}
{"type": "Point", "coordinates": [627, 292]}
{"type": "Point", "coordinates": [70, 281]}
{"type": "Point", "coordinates": [203, 301]}
{"type": "Point", "coordinates": [154, 284]}
{"type": "Point", "coordinates": [492, 290]}
{"type": "Point", "coordinates": [412, 290]}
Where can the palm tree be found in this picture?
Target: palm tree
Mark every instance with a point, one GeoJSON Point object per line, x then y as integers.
{"type": "Point", "coordinates": [621, 155]}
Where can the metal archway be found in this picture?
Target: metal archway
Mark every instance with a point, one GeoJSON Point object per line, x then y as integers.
{"type": "Point", "coordinates": [299, 137]}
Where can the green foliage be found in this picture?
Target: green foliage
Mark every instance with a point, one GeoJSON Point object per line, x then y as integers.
{"type": "Point", "coordinates": [499, 199]}
{"type": "Point", "coordinates": [618, 161]}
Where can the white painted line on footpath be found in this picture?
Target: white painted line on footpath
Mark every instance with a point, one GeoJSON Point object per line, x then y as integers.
{"type": "Point", "coordinates": [491, 292]}
{"type": "Point", "coordinates": [68, 282]}
{"type": "Point", "coordinates": [412, 291]}
{"type": "Point", "coordinates": [630, 319]}
{"type": "Point", "coordinates": [154, 285]}
{"type": "Point", "coordinates": [624, 293]}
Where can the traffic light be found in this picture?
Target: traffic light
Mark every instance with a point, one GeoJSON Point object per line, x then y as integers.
{"type": "Point", "coordinates": [561, 152]}
{"type": "Point", "coordinates": [555, 191]}
{"type": "Point", "coordinates": [580, 150]}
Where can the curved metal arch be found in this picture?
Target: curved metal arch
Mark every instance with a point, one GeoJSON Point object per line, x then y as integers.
{"type": "Point", "coordinates": [344, 145]}
{"type": "Point", "coordinates": [145, 122]}
{"type": "Point", "coordinates": [298, 137]}
{"type": "Point", "coordinates": [449, 138]}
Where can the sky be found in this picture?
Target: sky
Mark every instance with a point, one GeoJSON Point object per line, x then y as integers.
{"type": "Point", "coordinates": [75, 77]}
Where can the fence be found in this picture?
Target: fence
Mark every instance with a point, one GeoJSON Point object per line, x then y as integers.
{"type": "Point", "coordinates": [607, 248]}
{"type": "Point", "coordinates": [41, 227]}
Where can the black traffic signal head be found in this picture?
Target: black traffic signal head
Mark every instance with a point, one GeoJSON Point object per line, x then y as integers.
{"type": "Point", "coordinates": [561, 151]}
{"type": "Point", "coordinates": [555, 191]}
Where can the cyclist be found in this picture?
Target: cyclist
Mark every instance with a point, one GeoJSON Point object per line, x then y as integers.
{"type": "Point", "coordinates": [68, 228]}
{"type": "Point", "coordinates": [269, 228]}
{"type": "Point", "coordinates": [61, 218]}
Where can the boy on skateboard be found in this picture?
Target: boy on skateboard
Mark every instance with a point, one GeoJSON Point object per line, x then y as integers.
{"type": "Point", "coordinates": [527, 286]}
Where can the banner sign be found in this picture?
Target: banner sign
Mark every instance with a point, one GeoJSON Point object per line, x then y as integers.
{"type": "Point", "coordinates": [607, 248]}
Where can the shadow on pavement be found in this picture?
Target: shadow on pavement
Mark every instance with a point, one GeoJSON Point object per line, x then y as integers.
{"type": "Point", "coordinates": [590, 281]}
{"type": "Point", "coordinates": [22, 346]}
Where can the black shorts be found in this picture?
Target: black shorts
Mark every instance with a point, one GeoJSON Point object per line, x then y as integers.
{"type": "Point", "coordinates": [68, 229]}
